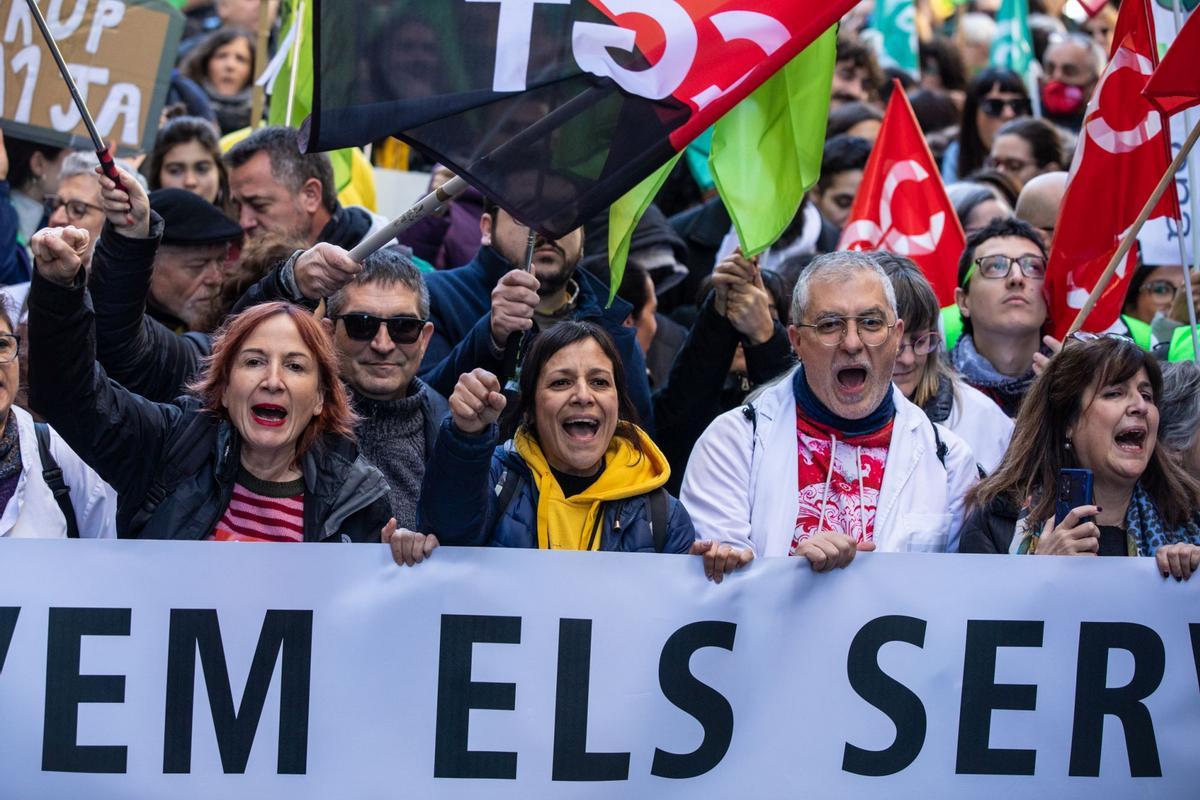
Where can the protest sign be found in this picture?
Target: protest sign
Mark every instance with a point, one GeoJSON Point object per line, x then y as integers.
{"type": "Point", "coordinates": [194, 670]}
{"type": "Point", "coordinates": [120, 54]}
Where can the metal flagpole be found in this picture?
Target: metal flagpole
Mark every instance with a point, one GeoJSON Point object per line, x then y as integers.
{"type": "Point", "coordinates": [1187, 271]}
{"type": "Point", "coordinates": [106, 159]}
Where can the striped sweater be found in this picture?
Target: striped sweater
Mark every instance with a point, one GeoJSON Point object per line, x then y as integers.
{"type": "Point", "coordinates": [263, 511]}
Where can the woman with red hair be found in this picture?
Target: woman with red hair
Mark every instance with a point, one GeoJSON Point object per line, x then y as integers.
{"type": "Point", "coordinates": [262, 451]}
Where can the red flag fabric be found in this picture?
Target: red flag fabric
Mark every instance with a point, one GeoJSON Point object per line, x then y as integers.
{"type": "Point", "coordinates": [1092, 7]}
{"type": "Point", "coordinates": [902, 205]}
{"type": "Point", "coordinates": [1175, 85]}
{"type": "Point", "coordinates": [1123, 150]}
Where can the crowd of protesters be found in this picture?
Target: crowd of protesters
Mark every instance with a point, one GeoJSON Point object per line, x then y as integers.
{"type": "Point", "coordinates": [193, 354]}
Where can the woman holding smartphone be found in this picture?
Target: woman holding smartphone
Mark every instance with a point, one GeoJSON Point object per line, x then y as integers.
{"type": "Point", "coordinates": [1095, 407]}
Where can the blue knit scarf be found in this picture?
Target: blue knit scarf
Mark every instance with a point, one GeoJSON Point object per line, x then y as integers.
{"type": "Point", "coordinates": [816, 411]}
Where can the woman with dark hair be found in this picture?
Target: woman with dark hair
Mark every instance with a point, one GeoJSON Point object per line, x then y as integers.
{"type": "Point", "coordinates": [994, 97]}
{"type": "Point", "coordinates": [1095, 407]}
{"type": "Point", "coordinates": [223, 65]}
{"type": "Point", "coordinates": [262, 451]}
{"type": "Point", "coordinates": [1026, 148]}
{"type": "Point", "coordinates": [187, 155]}
{"type": "Point", "coordinates": [976, 204]}
{"type": "Point", "coordinates": [923, 374]}
{"type": "Point", "coordinates": [577, 473]}
{"type": "Point", "coordinates": [854, 119]}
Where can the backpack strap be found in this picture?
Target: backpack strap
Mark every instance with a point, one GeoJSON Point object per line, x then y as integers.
{"type": "Point", "coordinates": [941, 446]}
{"type": "Point", "coordinates": [656, 512]}
{"type": "Point", "coordinates": [510, 481]}
{"type": "Point", "coordinates": [53, 476]}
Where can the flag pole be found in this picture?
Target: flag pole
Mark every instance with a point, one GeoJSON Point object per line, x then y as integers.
{"type": "Point", "coordinates": [1131, 234]}
{"type": "Point", "coordinates": [261, 57]}
{"type": "Point", "coordinates": [423, 207]}
{"type": "Point", "coordinates": [1187, 272]}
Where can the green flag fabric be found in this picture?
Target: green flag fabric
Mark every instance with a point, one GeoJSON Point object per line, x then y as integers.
{"type": "Point", "coordinates": [766, 152]}
{"type": "Point", "coordinates": [894, 32]}
{"type": "Point", "coordinates": [1013, 47]}
{"type": "Point", "coordinates": [301, 97]}
{"type": "Point", "coordinates": [623, 217]}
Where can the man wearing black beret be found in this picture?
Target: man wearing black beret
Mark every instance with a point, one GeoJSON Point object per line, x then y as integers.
{"type": "Point", "coordinates": [189, 264]}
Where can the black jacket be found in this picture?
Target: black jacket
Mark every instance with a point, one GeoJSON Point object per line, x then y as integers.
{"type": "Point", "coordinates": [175, 451]}
{"type": "Point", "coordinates": [989, 530]}
{"type": "Point", "coordinates": [695, 392]}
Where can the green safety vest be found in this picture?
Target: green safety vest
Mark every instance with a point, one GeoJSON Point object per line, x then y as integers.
{"type": "Point", "coordinates": [1138, 331]}
{"type": "Point", "coordinates": [952, 326]}
{"type": "Point", "coordinates": [1181, 345]}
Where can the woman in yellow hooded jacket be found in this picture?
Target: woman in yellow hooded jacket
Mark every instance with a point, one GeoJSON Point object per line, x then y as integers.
{"type": "Point", "coordinates": [578, 473]}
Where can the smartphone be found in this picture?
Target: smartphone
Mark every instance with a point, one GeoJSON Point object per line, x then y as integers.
{"type": "Point", "coordinates": [1074, 490]}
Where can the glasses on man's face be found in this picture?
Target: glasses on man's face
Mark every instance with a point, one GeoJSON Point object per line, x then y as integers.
{"type": "Point", "coordinates": [1163, 290]}
{"type": "Point", "coordinates": [994, 106]}
{"type": "Point", "coordinates": [999, 267]}
{"type": "Point", "coordinates": [872, 330]}
{"type": "Point", "coordinates": [10, 344]}
{"type": "Point", "coordinates": [364, 327]}
{"type": "Point", "coordinates": [76, 209]}
{"type": "Point", "coordinates": [1006, 164]}
{"type": "Point", "coordinates": [922, 345]}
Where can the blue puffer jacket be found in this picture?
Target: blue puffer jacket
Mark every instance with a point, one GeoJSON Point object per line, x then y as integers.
{"type": "Point", "coordinates": [459, 501]}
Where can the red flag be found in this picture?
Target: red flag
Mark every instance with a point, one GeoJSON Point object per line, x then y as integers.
{"type": "Point", "coordinates": [1175, 85]}
{"type": "Point", "coordinates": [1092, 7]}
{"type": "Point", "coordinates": [902, 205]}
{"type": "Point", "coordinates": [1123, 150]}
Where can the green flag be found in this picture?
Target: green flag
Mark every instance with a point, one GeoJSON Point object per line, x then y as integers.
{"type": "Point", "coordinates": [766, 152]}
{"type": "Point", "coordinates": [895, 34]}
{"type": "Point", "coordinates": [297, 98]}
{"type": "Point", "coordinates": [623, 217]}
{"type": "Point", "coordinates": [1012, 48]}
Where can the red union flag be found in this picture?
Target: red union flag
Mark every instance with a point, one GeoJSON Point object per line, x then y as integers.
{"type": "Point", "coordinates": [1175, 85]}
{"type": "Point", "coordinates": [902, 205]}
{"type": "Point", "coordinates": [554, 108]}
{"type": "Point", "coordinates": [1122, 152]}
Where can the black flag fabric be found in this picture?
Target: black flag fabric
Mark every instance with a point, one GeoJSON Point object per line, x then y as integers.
{"type": "Point", "coordinates": [553, 108]}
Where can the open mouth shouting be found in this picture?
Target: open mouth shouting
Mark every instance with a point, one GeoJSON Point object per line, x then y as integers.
{"type": "Point", "coordinates": [1132, 439]}
{"type": "Point", "coordinates": [581, 429]}
{"type": "Point", "coordinates": [268, 415]}
{"type": "Point", "coordinates": [851, 379]}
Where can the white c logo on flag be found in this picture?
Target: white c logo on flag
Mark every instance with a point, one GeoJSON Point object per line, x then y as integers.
{"type": "Point", "coordinates": [1123, 141]}
{"type": "Point", "coordinates": [765, 31]}
{"type": "Point", "coordinates": [590, 40]}
{"type": "Point", "coordinates": [866, 232]}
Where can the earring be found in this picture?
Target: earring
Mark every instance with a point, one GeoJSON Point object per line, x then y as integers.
{"type": "Point", "coordinates": [1067, 444]}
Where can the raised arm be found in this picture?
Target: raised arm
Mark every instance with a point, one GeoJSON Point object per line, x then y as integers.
{"type": "Point", "coordinates": [117, 433]}
{"type": "Point", "coordinates": [456, 494]}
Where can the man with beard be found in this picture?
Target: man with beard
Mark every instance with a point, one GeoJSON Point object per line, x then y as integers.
{"type": "Point", "coordinates": [280, 190]}
{"type": "Point", "coordinates": [832, 458]}
{"type": "Point", "coordinates": [476, 309]}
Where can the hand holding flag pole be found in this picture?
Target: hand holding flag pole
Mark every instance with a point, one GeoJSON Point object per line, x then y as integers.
{"type": "Point", "coordinates": [1131, 235]}
{"type": "Point", "coordinates": [514, 354]}
{"type": "Point", "coordinates": [102, 153]}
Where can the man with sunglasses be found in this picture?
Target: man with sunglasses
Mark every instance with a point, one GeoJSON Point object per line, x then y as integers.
{"type": "Point", "coordinates": [380, 326]}
{"type": "Point", "coordinates": [1000, 296]}
{"type": "Point", "coordinates": [832, 458]}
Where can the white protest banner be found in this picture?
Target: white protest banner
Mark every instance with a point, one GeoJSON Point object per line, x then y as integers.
{"type": "Point", "coordinates": [120, 54]}
{"type": "Point", "coordinates": [196, 670]}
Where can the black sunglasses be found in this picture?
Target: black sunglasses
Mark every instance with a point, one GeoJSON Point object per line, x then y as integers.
{"type": "Point", "coordinates": [994, 106]}
{"type": "Point", "coordinates": [364, 327]}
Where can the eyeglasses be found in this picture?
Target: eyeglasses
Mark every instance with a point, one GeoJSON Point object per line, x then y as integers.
{"type": "Point", "coordinates": [1162, 289]}
{"type": "Point", "coordinates": [1007, 164]}
{"type": "Point", "coordinates": [10, 344]}
{"type": "Point", "coordinates": [994, 106]}
{"type": "Point", "coordinates": [76, 209]}
{"type": "Point", "coordinates": [364, 327]}
{"type": "Point", "coordinates": [1084, 336]}
{"type": "Point", "coordinates": [831, 331]}
{"type": "Point", "coordinates": [999, 267]}
{"type": "Point", "coordinates": [922, 345]}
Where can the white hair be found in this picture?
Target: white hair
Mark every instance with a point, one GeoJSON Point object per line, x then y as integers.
{"type": "Point", "coordinates": [978, 28]}
{"type": "Point", "coordinates": [84, 162]}
{"type": "Point", "coordinates": [839, 266]}
{"type": "Point", "coordinates": [1179, 406]}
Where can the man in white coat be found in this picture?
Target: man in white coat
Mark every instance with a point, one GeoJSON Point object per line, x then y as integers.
{"type": "Point", "coordinates": [831, 458]}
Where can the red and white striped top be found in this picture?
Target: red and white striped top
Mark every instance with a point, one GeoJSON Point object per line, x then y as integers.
{"type": "Point", "coordinates": [254, 517]}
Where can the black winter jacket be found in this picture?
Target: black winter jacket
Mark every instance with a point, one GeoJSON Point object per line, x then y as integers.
{"type": "Point", "coordinates": [145, 450]}
{"type": "Point", "coordinates": [989, 530]}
